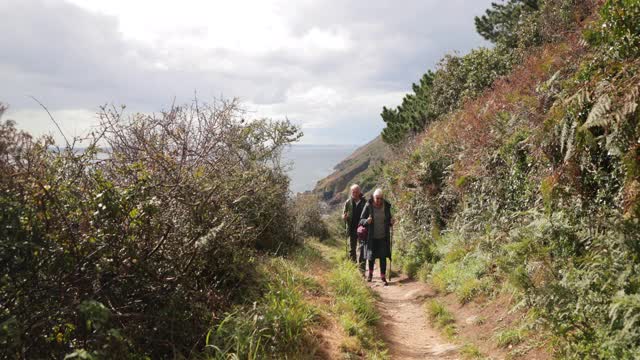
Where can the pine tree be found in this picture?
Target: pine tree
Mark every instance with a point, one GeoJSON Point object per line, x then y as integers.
{"type": "Point", "coordinates": [500, 22]}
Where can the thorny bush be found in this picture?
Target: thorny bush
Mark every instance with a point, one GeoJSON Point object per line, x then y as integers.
{"type": "Point", "coordinates": [132, 247]}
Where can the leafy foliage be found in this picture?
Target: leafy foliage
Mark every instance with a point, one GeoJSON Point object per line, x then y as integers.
{"type": "Point", "coordinates": [131, 254]}
{"type": "Point", "coordinates": [456, 79]}
{"type": "Point", "coordinates": [618, 30]}
{"type": "Point", "coordinates": [308, 216]}
{"type": "Point", "coordinates": [534, 186]}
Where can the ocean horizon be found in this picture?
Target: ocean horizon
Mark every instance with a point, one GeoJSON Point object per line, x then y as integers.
{"type": "Point", "coordinates": [307, 164]}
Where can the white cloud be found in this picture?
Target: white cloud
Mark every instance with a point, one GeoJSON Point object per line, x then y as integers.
{"type": "Point", "coordinates": [327, 65]}
{"type": "Point", "coordinates": [72, 122]}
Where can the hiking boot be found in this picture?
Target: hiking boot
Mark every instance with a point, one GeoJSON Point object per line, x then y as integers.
{"type": "Point", "coordinates": [384, 280]}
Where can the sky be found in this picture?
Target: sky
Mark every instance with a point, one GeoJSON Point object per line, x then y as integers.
{"type": "Point", "coordinates": [328, 66]}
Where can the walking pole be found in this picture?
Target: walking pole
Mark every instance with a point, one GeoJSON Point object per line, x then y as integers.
{"type": "Point", "coordinates": [390, 248]}
{"type": "Point", "coordinates": [346, 241]}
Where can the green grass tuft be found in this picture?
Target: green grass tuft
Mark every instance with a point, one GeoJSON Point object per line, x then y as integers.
{"type": "Point", "coordinates": [510, 337]}
{"type": "Point", "coordinates": [438, 314]}
{"type": "Point", "coordinates": [470, 351]}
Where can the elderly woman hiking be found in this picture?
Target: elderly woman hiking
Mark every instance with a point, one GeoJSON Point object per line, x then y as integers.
{"type": "Point", "coordinates": [376, 216]}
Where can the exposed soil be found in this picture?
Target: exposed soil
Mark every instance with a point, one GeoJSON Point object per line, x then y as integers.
{"type": "Point", "coordinates": [404, 325]}
{"type": "Point", "coordinates": [409, 335]}
{"type": "Point", "coordinates": [479, 321]}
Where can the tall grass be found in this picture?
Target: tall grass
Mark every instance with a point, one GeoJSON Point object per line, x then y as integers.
{"type": "Point", "coordinates": [356, 311]}
{"type": "Point", "coordinates": [277, 325]}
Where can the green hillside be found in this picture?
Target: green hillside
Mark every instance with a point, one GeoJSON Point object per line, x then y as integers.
{"type": "Point", "coordinates": [527, 185]}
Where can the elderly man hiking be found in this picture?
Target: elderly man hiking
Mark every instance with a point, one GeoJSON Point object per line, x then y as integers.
{"type": "Point", "coordinates": [376, 216]}
{"type": "Point", "coordinates": [351, 215]}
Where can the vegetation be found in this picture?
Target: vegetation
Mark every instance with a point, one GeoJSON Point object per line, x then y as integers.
{"type": "Point", "coordinates": [278, 325]}
{"type": "Point", "coordinates": [441, 317]}
{"type": "Point", "coordinates": [501, 23]}
{"type": "Point", "coordinates": [470, 351]}
{"type": "Point", "coordinates": [357, 312]}
{"type": "Point", "coordinates": [354, 305]}
{"type": "Point", "coordinates": [457, 78]}
{"type": "Point", "coordinates": [528, 183]}
{"type": "Point", "coordinates": [136, 255]}
{"type": "Point", "coordinates": [308, 217]}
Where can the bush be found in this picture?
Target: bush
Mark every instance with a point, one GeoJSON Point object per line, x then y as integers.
{"type": "Point", "coordinates": [618, 31]}
{"type": "Point", "coordinates": [308, 216]}
{"type": "Point", "coordinates": [134, 252]}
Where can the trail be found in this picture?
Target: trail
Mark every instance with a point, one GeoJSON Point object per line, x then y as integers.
{"type": "Point", "coordinates": [404, 326]}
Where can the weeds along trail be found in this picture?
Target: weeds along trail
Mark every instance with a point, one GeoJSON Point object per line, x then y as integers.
{"type": "Point", "coordinates": [380, 322]}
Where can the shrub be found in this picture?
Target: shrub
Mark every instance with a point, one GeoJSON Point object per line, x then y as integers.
{"type": "Point", "coordinates": [618, 30]}
{"type": "Point", "coordinates": [138, 250]}
{"type": "Point", "coordinates": [308, 217]}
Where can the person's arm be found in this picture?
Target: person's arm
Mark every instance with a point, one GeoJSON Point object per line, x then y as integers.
{"type": "Point", "coordinates": [345, 211]}
{"type": "Point", "coordinates": [364, 217]}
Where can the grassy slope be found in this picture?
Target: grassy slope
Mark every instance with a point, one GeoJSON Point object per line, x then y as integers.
{"type": "Point", "coordinates": [524, 216]}
{"type": "Point", "coordinates": [464, 269]}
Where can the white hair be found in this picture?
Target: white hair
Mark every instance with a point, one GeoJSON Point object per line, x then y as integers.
{"type": "Point", "coordinates": [378, 192]}
{"type": "Point", "coordinates": [355, 186]}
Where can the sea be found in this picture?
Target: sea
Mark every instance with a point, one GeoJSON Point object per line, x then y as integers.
{"type": "Point", "coordinates": [307, 164]}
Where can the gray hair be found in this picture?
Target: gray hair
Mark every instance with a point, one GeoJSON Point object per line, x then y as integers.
{"type": "Point", "coordinates": [355, 186]}
{"type": "Point", "coordinates": [378, 192]}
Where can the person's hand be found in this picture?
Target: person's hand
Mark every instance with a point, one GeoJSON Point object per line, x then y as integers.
{"type": "Point", "coordinates": [345, 216]}
{"type": "Point", "coordinates": [369, 220]}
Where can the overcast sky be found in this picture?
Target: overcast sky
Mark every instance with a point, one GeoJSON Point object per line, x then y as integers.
{"type": "Point", "coordinates": [328, 66]}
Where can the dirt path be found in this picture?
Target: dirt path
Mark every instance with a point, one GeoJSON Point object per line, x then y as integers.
{"type": "Point", "coordinates": [404, 325]}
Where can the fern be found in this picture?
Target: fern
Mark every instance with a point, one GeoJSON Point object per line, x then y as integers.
{"type": "Point", "coordinates": [599, 115]}
{"type": "Point", "coordinates": [570, 142]}
{"type": "Point", "coordinates": [563, 136]}
{"type": "Point", "coordinates": [580, 98]}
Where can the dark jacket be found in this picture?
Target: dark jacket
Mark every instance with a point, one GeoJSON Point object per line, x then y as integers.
{"type": "Point", "coordinates": [354, 212]}
{"type": "Point", "coordinates": [377, 249]}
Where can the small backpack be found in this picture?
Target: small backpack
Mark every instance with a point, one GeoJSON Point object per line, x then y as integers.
{"type": "Point", "coordinates": [362, 232]}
